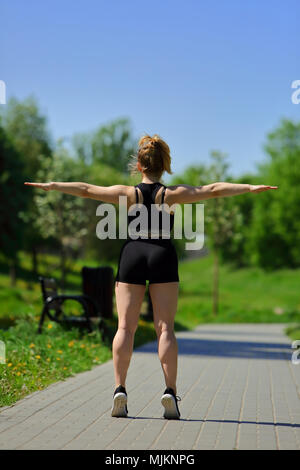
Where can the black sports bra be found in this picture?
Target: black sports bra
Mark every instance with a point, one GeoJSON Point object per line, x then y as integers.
{"type": "Point", "coordinates": [149, 191]}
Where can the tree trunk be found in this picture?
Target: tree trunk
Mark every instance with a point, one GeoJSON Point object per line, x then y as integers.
{"type": "Point", "coordinates": [216, 283]}
{"type": "Point", "coordinates": [34, 261]}
{"type": "Point", "coordinates": [63, 268]}
{"type": "Point", "coordinates": [13, 273]}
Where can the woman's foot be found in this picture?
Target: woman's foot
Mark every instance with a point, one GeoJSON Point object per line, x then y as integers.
{"type": "Point", "coordinates": [169, 402]}
{"type": "Point", "coordinates": [119, 409]}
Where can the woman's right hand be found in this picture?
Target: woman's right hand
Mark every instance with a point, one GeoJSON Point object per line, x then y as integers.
{"type": "Point", "coordinates": [44, 186]}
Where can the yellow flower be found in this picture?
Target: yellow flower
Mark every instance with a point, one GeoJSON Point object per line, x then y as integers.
{"type": "Point", "coordinates": [18, 373]}
{"type": "Point", "coordinates": [59, 351]}
{"type": "Point", "coordinates": [82, 345]}
{"type": "Point", "coordinates": [32, 345]}
{"type": "Point", "coordinates": [9, 365]}
{"type": "Point", "coordinates": [38, 357]}
{"type": "Point", "coordinates": [48, 359]}
{"type": "Point", "coordinates": [65, 368]}
{"type": "Point", "coordinates": [49, 346]}
{"type": "Point", "coordinates": [58, 358]}
{"type": "Point", "coordinates": [50, 326]}
{"type": "Point", "coordinates": [71, 343]}
{"type": "Point", "coordinates": [14, 368]}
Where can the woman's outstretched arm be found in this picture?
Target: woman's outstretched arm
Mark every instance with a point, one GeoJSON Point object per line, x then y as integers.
{"type": "Point", "coordinates": [91, 191]}
{"type": "Point", "coordinates": [182, 193]}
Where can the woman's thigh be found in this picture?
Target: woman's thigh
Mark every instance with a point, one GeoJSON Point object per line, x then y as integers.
{"type": "Point", "coordinates": [129, 298]}
{"type": "Point", "coordinates": [164, 298]}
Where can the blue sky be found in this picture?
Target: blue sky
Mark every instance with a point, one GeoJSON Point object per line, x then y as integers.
{"type": "Point", "coordinates": [204, 75]}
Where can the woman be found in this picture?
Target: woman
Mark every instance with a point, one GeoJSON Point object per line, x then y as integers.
{"type": "Point", "coordinates": [148, 255]}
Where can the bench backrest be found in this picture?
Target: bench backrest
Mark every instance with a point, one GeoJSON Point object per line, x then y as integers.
{"type": "Point", "coordinates": [98, 284]}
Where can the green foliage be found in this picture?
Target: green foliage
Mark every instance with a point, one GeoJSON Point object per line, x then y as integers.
{"type": "Point", "coordinates": [275, 227]}
{"type": "Point", "coordinates": [111, 144]}
{"type": "Point", "coordinates": [293, 332]}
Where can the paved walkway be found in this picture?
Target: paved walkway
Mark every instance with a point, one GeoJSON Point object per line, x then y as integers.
{"type": "Point", "coordinates": [238, 385]}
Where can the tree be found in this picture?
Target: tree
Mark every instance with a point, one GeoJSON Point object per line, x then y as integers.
{"type": "Point", "coordinates": [220, 217]}
{"type": "Point", "coordinates": [220, 214]}
{"type": "Point", "coordinates": [105, 153]}
{"type": "Point", "coordinates": [62, 216]}
{"type": "Point", "coordinates": [234, 251]}
{"type": "Point", "coordinates": [111, 144]}
{"type": "Point", "coordinates": [13, 201]}
{"type": "Point", "coordinates": [27, 128]}
{"type": "Point", "coordinates": [275, 228]}
{"type": "Point", "coordinates": [194, 175]}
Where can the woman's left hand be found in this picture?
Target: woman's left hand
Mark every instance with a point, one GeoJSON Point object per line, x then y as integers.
{"type": "Point", "coordinates": [260, 187]}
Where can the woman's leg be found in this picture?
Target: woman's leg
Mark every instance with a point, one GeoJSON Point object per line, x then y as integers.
{"type": "Point", "coordinates": [164, 300]}
{"type": "Point", "coordinates": [129, 298]}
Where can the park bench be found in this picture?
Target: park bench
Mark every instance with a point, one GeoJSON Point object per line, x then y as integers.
{"type": "Point", "coordinates": [96, 300]}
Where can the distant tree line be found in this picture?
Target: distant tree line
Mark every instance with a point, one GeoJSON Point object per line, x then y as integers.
{"type": "Point", "coordinates": [245, 230]}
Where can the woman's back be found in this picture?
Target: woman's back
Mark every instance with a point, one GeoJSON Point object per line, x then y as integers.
{"type": "Point", "coordinates": [148, 218]}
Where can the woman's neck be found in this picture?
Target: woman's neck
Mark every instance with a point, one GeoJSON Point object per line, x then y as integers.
{"type": "Point", "coordinates": [150, 179]}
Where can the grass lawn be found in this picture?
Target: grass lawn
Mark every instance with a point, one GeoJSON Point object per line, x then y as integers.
{"type": "Point", "coordinates": [246, 295]}
{"type": "Point", "coordinates": [34, 361]}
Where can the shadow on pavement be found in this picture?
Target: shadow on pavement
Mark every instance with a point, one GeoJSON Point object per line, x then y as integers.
{"type": "Point", "coordinates": [221, 348]}
{"type": "Point", "coordinates": [261, 423]}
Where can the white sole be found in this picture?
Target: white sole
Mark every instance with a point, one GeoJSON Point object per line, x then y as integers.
{"type": "Point", "coordinates": [119, 406]}
{"type": "Point", "coordinates": [169, 403]}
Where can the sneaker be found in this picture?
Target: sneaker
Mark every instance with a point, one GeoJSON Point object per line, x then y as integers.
{"type": "Point", "coordinates": [119, 409]}
{"type": "Point", "coordinates": [169, 401]}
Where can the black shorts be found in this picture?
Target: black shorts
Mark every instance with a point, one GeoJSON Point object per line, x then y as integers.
{"type": "Point", "coordinates": [154, 260]}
